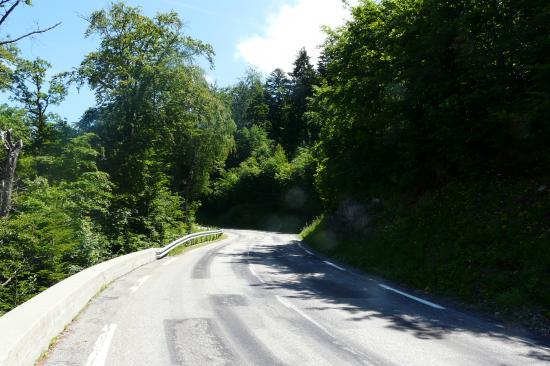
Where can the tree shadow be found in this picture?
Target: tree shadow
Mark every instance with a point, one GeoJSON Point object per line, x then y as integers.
{"type": "Point", "coordinates": [306, 277]}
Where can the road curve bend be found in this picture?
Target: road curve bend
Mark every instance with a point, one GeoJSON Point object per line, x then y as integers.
{"type": "Point", "coordinates": [260, 298]}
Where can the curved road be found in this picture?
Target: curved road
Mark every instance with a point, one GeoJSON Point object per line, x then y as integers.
{"type": "Point", "coordinates": [260, 298]}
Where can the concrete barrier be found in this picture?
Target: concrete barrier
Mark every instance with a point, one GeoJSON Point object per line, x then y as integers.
{"type": "Point", "coordinates": [27, 330]}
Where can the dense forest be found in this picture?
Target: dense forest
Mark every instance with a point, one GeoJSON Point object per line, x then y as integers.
{"type": "Point", "coordinates": [417, 147]}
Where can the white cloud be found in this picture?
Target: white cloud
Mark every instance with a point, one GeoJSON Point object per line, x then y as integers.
{"type": "Point", "coordinates": [289, 29]}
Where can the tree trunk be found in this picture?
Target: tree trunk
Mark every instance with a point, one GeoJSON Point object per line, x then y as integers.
{"type": "Point", "coordinates": [187, 213]}
{"type": "Point", "coordinates": [7, 172]}
{"type": "Point", "coordinates": [187, 207]}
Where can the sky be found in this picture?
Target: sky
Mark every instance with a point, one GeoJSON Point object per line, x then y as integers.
{"type": "Point", "coordinates": [264, 34]}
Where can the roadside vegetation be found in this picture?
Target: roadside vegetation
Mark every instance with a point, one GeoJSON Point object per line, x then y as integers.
{"type": "Point", "coordinates": [473, 242]}
{"type": "Point", "coordinates": [418, 148]}
{"type": "Point", "coordinates": [424, 150]}
{"type": "Point", "coordinates": [127, 176]}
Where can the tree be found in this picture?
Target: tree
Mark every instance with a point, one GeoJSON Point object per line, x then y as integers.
{"type": "Point", "coordinates": [202, 137]}
{"type": "Point", "coordinates": [8, 6]}
{"type": "Point", "coordinates": [418, 93]}
{"type": "Point", "coordinates": [248, 104]}
{"type": "Point", "coordinates": [153, 104]}
{"type": "Point", "coordinates": [129, 74]}
{"type": "Point", "coordinates": [8, 53]}
{"type": "Point", "coordinates": [7, 174]}
{"type": "Point", "coordinates": [304, 77]}
{"type": "Point", "coordinates": [8, 50]}
{"type": "Point", "coordinates": [11, 124]}
{"type": "Point", "coordinates": [278, 89]}
{"type": "Point", "coordinates": [32, 89]}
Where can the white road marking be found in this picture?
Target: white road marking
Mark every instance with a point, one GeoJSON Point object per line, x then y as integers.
{"type": "Point", "coordinates": [252, 268]}
{"type": "Point", "coordinates": [139, 283]}
{"type": "Point", "coordinates": [101, 346]}
{"type": "Point", "coordinates": [304, 315]}
{"type": "Point", "coordinates": [335, 340]}
{"type": "Point", "coordinates": [425, 302]}
{"type": "Point", "coordinates": [335, 266]}
{"type": "Point", "coordinates": [305, 249]}
{"type": "Point", "coordinates": [253, 271]}
{"type": "Point", "coordinates": [168, 261]}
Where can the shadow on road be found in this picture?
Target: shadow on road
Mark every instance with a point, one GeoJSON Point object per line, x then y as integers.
{"type": "Point", "coordinates": [307, 277]}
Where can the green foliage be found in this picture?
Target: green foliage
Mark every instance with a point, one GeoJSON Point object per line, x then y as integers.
{"type": "Point", "coordinates": [259, 186]}
{"type": "Point", "coordinates": [163, 129]}
{"type": "Point", "coordinates": [265, 190]}
{"type": "Point", "coordinates": [55, 233]}
{"type": "Point", "coordinates": [304, 78]}
{"type": "Point", "coordinates": [438, 111]}
{"type": "Point", "coordinates": [14, 118]}
{"type": "Point", "coordinates": [130, 174]}
{"type": "Point", "coordinates": [425, 126]}
{"type": "Point", "coordinates": [35, 93]}
{"type": "Point", "coordinates": [417, 93]}
{"type": "Point", "coordinates": [481, 242]}
{"type": "Point", "coordinates": [308, 231]}
{"type": "Point", "coordinates": [247, 100]}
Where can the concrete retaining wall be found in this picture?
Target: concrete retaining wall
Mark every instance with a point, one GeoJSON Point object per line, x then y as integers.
{"type": "Point", "coordinates": [26, 331]}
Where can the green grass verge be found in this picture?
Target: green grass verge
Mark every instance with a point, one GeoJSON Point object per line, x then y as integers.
{"type": "Point", "coordinates": [486, 244]}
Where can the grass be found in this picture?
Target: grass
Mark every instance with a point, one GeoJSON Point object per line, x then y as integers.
{"type": "Point", "coordinates": [53, 342]}
{"type": "Point", "coordinates": [312, 227]}
{"type": "Point", "coordinates": [485, 244]}
{"type": "Point", "coordinates": [44, 355]}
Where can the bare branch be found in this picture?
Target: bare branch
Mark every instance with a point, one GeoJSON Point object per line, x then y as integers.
{"type": "Point", "coordinates": [4, 2]}
{"type": "Point", "coordinates": [8, 12]}
{"type": "Point", "coordinates": [38, 31]}
{"type": "Point", "coordinates": [9, 279]}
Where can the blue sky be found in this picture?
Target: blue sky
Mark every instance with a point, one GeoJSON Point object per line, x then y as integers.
{"type": "Point", "coordinates": [260, 33]}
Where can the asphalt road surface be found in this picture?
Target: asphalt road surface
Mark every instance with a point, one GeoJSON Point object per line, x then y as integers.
{"type": "Point", "coordinates": [259, 298]}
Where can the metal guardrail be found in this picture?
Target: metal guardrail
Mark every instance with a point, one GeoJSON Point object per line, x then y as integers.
{"type": "Point", "coordinates": [176, 243]}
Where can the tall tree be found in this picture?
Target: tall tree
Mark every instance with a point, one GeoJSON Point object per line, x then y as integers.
{"type": "Point", "coordinates": [151, 97]}
{"type": "Point", "coordinates": [7, 7]}
{"type": "Point", "coordinates": [422, 92]}
{"type": "Point", "coordinates": [304, 77]}
{"type": "Point", "coordinates": [248, 104]}
{"type": "Point", "coordinates": [278, 89]}
{"type": "Point", "coordinates": [8, 50]}
{"type": "Point", "coordinates": [36, 93]}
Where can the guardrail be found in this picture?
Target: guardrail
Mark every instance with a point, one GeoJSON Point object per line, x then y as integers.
{"type": "Point", "coordinates": [26, 331]}
{"type": "Point", "coordinates": [176, 243]}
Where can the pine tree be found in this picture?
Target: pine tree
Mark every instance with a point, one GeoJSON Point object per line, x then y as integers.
{"type": "Point", "coordinates": [304, 78]}
{"type": "Point", "coordinates": [278, 88]}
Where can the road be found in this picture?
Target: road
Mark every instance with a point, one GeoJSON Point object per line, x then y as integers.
{"type": "Point", "coordinates": [259, 298]}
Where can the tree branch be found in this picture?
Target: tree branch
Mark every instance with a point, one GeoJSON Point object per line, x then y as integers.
{"type": "Point", "coordinates": [9, 279]}
{"type": "Point", "coordinates": [8, 12]}
{"type": "Point", "coordinates": [39, 31]}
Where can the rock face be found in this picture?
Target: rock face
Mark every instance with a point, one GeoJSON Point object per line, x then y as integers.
{"type": "Point", "coordinates": [357, 216]}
